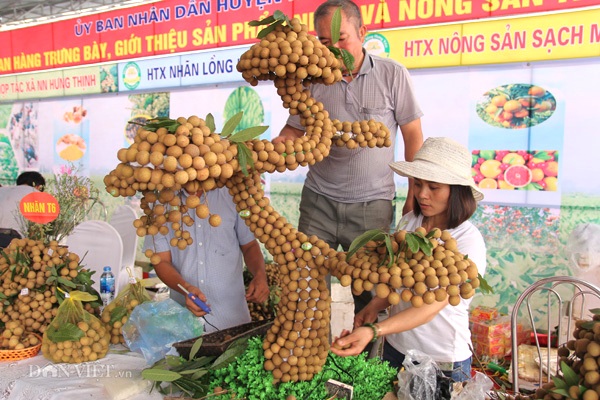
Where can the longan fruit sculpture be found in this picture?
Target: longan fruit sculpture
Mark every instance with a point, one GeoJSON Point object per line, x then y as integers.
{"type": "Point", "coordinates": [169, 156]}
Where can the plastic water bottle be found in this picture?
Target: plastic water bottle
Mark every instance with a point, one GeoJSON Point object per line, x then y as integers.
{"type": "Point", "coordinates": [107, 286]}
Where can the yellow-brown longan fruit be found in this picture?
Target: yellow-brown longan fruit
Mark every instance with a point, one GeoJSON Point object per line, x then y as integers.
{"type": "Point", "coordinates": [454, 300]}
{"type": "Point", "coordinates": [416, 301]}
{"type": "Point", "coordinates": [202, 211]}
{"type": "Point", "coordinates": [214, 220]}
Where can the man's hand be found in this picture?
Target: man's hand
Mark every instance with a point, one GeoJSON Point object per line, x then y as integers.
{"type": "Point", "coordinates": [196, 310]}
{"type": "Point", "coordinates": [352, 344]}
{"type": "Point", "coordinates": [288, 133]}
{"type": "Point", "coordinates": [258, 290]}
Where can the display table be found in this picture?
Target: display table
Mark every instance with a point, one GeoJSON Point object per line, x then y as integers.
{"type": "Point", "coordinates": [115, 377]}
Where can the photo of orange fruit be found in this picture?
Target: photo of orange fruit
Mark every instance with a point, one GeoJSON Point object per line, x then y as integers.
{"type": "Point", "coordinates": [516, 106]}
{"type": "Point", "coordinates": [515, 169]}
{"type": "Point", "coordinates": [75, 114]}
{"type": "Point", "coordinates": [70, 147]}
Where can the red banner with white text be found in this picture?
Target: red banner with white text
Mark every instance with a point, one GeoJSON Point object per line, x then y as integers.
{"type": "Point", "coordinates": [176, 26]}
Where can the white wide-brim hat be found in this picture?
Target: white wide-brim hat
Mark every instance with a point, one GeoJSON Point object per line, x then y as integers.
{"type": "Point", "coordinates": [440, 160]}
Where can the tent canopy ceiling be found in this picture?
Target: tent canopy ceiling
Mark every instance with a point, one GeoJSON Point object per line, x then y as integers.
{"type": "Point", "coordinates": [18, 13]}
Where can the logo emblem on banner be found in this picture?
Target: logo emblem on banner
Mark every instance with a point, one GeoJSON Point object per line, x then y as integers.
{"type": "Point", "coordinates": [132, 75]}
{"type": "Point", "coordinates": [377, 45]}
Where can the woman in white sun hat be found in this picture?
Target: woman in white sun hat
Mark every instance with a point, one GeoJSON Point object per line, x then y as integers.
{"type": "Point", "coordinates": [445, 197]}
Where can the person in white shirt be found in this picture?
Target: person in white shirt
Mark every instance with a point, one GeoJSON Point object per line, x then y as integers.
{"type": "Point", "coordinates": [445, 198]}
{"type": "Point", "coordinates": [10, 197]}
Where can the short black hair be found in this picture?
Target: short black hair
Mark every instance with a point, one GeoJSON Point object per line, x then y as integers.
{"type": "Point", "coordinates": [31, 178]}
{"type": "Point", "coordinates": [350, 9]}
{"type": "Point", "coordinates": [461, 205]}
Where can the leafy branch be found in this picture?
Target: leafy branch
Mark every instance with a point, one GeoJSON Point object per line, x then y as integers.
{"type": "Point", "coordinates": [279, 18]}
{"type": "Point", "coordinates": [191, 376]}
{"type": "Point", "coordinates": [159, 122]}
{"type": "Point", "coordinates": [343, 54]}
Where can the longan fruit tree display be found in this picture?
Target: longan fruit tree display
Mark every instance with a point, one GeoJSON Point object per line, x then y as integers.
{"type": "Point", "coordinates": [170, 156]}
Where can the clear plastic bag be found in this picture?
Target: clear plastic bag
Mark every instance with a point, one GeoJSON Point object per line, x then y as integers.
{"type": "Point", "coordinates": [476, 388]}
{"type": "Point", "coordinates": [75, 335]}
{"type": "Point", "coordinates": [421, 378]}
{"type": "Point", "coordinates": [154, 326]}
{"type": "Point", "coordinates": [583, 247]}
{"type": "Point", "coordinates": [118, 311]}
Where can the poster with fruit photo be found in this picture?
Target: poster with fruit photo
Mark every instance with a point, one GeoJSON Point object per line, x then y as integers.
{"type": "Point", "coordinates": [71, 134]}
{"type": "Point", "coordinates": [516, 135]}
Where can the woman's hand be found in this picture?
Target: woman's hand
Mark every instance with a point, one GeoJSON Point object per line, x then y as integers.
{"type": "Point", "coordinates": [366, 316]}
{"type": "Point", "coordinates": [352, 344]}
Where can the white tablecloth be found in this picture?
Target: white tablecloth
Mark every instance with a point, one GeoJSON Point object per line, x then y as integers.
{"type": "Point", "coordinates": [115, 377]}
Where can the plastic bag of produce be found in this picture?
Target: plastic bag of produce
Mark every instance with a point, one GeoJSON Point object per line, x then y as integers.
{"type": "Point", "coordinates": [75, 335]}
{"type": "Point", "coordinates": [583, 247]}
{"type": "Point", "coordinates": [421, 378]}
{"type": "Point", "coordinates": [154, 326]}
{"type": "Point", "coordinates": [117, 313]}
{"type": "Point", "coordinates": [476, 388]}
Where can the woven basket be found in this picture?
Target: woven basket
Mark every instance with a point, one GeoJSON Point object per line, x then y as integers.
{"type": "Point", "coordinates": [15, 355]}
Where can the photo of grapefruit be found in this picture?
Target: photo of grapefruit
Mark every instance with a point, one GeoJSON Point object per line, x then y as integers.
{"type": "Point", "coordinates": [518, 175]}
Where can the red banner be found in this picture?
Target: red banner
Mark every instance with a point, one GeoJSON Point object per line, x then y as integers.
{"type": "Point", "coordinates": [175, 26]}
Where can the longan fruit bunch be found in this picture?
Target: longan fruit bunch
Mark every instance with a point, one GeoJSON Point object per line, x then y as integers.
{"type": "Point", "coordinates": [294, 59]}
{"type": "Point", "coordinates": [92, 346]}
{"type": "Point", "coordinates": [117, 312]}
{"type": "Point", "coordinates": [110, 316]}
{"type": "Point", "coordinates": [422, 279]}
{"type": "Point", "coordinates": [24, 272]}
{"type": "Point", "coordinates": [295, 346]}
{"type": "Point", "coordinates": [288, 50]}
{"type": "Point", "coordinates": [582, 355]}
{"type": "Point", "coordinates": [15, 337]}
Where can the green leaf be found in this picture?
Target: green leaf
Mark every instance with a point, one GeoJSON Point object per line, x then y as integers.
{"type": "Point", "coordinates": [559, 383]}
{"type": "Point", "coordinates": [244, 158]}
{"type": "Point", "coordinates": [195, 347]}
{"type": "Point", "coordinates": [348, 60]}
{"type": "Point", "coordinates": [360, 241]}
{"type": "Point", "coordinates": [265, 31]}
{"type": "Point", "coordinates": [280, 16]}
{"type": "Point", "coordinates": [248, 134]}
{"type": "Point", "coordinates": [210, 122]}
{"type": "Point", "coordinates": [595, 311]}
{"type": "Point", "coordinates": [235, 350]}
{"type": "Point", "coordinates": [66, 282]}
{"type": "Point", "coordinates": [588, 325]}
{"type": "Point", "coordinates": [266, 21]}
{"type": "Point", "coordinates": [173, 361]}
{"type": "Point", "coordinates": [412, 242]}
{"type": "Point", "coordinates": [484, 286]}
{"type": "Point", "coordinates": [336, 25]}
{"type": "Point", "coordinates": [390, 250]}
{"type": "Point", "coordinates": [562, 392]}
{"type": "Point", "coordinates": [336, 52]}
{"type": "Point", "coordinates": [571, 378]}
{"type": "Point", "coordinates": [231, 123]}
{"type": "Point", "coordinates": [199, 374]}
{"type": "Point", "coordinates": [160, 375]}
{"type": "Point", "coordinates": [66, 332]}
{"type": "Point", "coordinates": [117, 313]}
